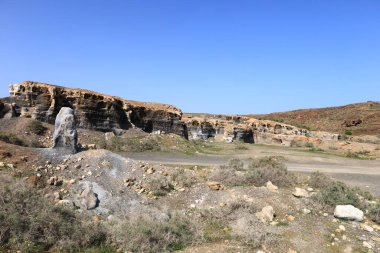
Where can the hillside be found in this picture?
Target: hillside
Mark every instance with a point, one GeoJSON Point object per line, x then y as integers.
{"type": "Point", "coordinates": [360, 118]}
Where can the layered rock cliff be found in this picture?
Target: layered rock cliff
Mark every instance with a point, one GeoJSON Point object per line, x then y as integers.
{"type": "Point", "coordinates": [240, 128]}
{"type": "Point", "coordinates": [92, 110]}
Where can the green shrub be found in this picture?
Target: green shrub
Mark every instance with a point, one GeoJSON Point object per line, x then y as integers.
{"type": "Point", "coordinates": [338, 193]}
{"type": "Point", "coordinates": [12, 139]}
{"type": "Point", "coordinates": [270, 168]}
{"type": "Point", "coordinates": [158, 185]}
{"type": "Point", "coordinates": [268, 162]}
{"type": "Point", "coordinates": [374, 213]}
{"type": "Point", "coordinates": [36, 127]}
{"type": "Point", "coordinates": [319, 180]}
{"type": "Point", "coordinates": [183, 178]}
{"type": "Point", "coordinates": [309, 145]}
{"type": "Point", "coordinates": [147, 236]}
{"type": "Point", "coordinates": [234, 164]}
{"type": "Point", "coordinates": [241, 147]}
{"type": "Point", "coordinates": [348, 132]}
{"type": "Point", "coordinates": [29, 223]}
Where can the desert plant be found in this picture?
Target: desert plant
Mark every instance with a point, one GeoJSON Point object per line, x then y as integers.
{"type": "Point", "coordinates": [374, 213]}
{"type": "Point", "coordinates": [148, 236]}
{"type": "Point", "coordinates": [36, 127]}
{"type": "Point", "coordinates": [270, 168]}
{"type": "Point", "coordinates": [228, 176]}
{"type": "Point", "coordinates": [319, 180]}
{"type": "Point", "coordinates": [309, 145]}
{"type": "Point", "coordinates": [183, 178]}
{"type": "Point", "coordinates": [338, 193]}
{"type": "Point", "coordinates": [158, 185]}
{"type": "Point", "coordinates": [348, 132]}
{"type": "Point", "coordinates": [234, 164]}
{"type": "Point", "coordinates": [29, 223]}
{"type": "Point", "coordinates": [12, 139]}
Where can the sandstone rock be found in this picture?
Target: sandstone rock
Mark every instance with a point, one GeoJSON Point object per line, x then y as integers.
{"type": "Point", "coordinates": [365, 227]}
{"type": "Point", "coordinates": [89, 198]}
{"type": "Point", "coordinates": [271, 187]}
{"type": "Point", "coordinates": [65, 133]}
{"type": "Point", "coordinates": [290, 218]}
{"type": "Point", "coordinates": [93, 110]}
{"type": "Point", "coordinates": [367, 245]}
{"type": "Point", "coordinates": [64, 202]}
{"type": "Point", "coordinates": [300, 193]}
{"type": "Point", "coordinates": [266, 214]}
{"type": "Point", "coordinates": [216, 186]}
{"type": "Point", "coordinates": [348, 212]}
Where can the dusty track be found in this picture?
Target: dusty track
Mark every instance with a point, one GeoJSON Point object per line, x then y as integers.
{"type": "Point", "coordinates": [362, 173]}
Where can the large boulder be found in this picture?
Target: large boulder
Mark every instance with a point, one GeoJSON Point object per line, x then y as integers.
{"type": "Point", "coordinates": [348, 212]}
{"type": "Point", "coordinates": [65, 134]}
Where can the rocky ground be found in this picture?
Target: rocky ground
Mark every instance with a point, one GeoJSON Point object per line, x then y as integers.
{"type": "Point", "coordinates": [206, 203]}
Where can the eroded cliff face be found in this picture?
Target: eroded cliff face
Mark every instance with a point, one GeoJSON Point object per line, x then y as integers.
{"type": "Point", "coordinates": [92, 110]}
{"type": "Point", "coordinates": [239, 128]}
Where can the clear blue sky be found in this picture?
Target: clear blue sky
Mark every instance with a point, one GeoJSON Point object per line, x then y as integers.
{"type": "Point", "coordinates": [201, 55]}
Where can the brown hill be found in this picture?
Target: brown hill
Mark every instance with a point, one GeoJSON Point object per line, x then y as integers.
{"type": "Point", "coordinates": [359, 118]}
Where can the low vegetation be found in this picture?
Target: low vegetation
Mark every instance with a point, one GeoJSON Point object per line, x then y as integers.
{"type": "Point", "coordinates": [149, 236]}
{"type": "Point", "coordinates": [29, 223]}
{"type": "Point", "coordinates": [12, 139]}
{"type": "Point", "coordinates": [36, 127]}
{"type": "Point", "coordinates": [259, 171]}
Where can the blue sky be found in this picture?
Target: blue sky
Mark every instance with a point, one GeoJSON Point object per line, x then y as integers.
{"type": "Point", "coordinates": [203, 56]}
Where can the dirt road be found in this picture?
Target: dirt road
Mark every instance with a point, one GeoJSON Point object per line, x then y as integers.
{"type": "Point", "coordinates": [363, 173]}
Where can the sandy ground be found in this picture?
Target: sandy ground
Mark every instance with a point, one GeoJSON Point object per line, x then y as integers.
{"type": "Point", "coordinates": [363, 173]}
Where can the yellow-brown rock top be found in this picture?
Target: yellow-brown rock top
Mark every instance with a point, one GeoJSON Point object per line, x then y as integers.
{"type": "Point", "coordinates": [93, 110]}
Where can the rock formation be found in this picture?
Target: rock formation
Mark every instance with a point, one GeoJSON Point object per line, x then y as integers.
{"type": "Point", "coordinates": [65, 134]}
{"type": "Point", "coordinates": [240, 128]}
{"type": "Point", "coordinates": [92, 110]}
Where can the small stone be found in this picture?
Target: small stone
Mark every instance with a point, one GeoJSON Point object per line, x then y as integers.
{"type": "Point", "coordinates": [342, 228]}
{"type": "Point", "coordinates": [325, 214]}
{"type": "Point", "coordinates": [344, 237]}
{"type": "Point", "coordinates": [300, 193]}
{"type": "Point", "coordinates": [271, 187]}
{"type": "Point", "coordinates": [2, 165]}
{"type": "Point", "coordinates": [266, 214]}
{"type": "Point", "coordinates": [365, 227]}
{"type": "Point", "coordinates": [376, 227]}
{"type": "Point", "coordinates": [306, 211]}
{"type": "Point", "coordinates": [64, 202]}
{"type": "Point", "coordinates": [150, 171]}
{"type": "Point", "coordinates": [78, 166]}
{"type": "Point", "coordinates": [216, 186]}
{"type": "Point", "coordinates": [290, 218]}
{"type": "Point", "coordinates": [376, 239]}
{"type": "Point", "coordinates": [367, 245]}
{"type": "Point", "coordinates": [310, 189]}
{"type": "Point", "coordinates": [291, 251]}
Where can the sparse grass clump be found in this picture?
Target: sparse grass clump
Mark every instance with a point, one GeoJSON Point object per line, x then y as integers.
{"type": "Point", "coordinates": [319, 180]}
{"type": "Point", "coordinates": [362, 155]}
{"type": "Point", "coordinates": [12, 139]}
{"type": "Point", "coordinates": [29, 223]}
{"type": "Point", "coordinates": [234, 164]}
{"type": "Point", "coordinates": [158, 185]}
{"type": "Point", "coordinates": [374, 213]}
{"type": "Point", "coordinates": [36, 127]}
{"type": "Point", "coordinates": [148, 236]}
{"type": "Point", "coordinates": [270, 168]}
{"type": "Point", "coordinates": [338, 193]}
{"type": "Point", "coordinates": [183, 178]}
{"type": "Point", "coordinates": [348, 132]}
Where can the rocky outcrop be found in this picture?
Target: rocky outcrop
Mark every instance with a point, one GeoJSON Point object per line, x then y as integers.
{"type": "Point", "coordinates": [65, 134]}
{"type": "Point", "coordinates": [92, 110]}
{"type": "Point", "coordinates": [240, 128]}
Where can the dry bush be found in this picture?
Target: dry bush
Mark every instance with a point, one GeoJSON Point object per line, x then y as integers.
{"type": "Point", "coordinates": [374, 213]}
{"type": "Point", "coordinates": [228, 176]}
{"type": "Point", "coordinates": [184, 178]}
{"type": "Point", "coordinates": [235, 164]}
{"type": "Point", "coordinates": [149, 236]}
{"type": "Point", "coordinates": [12, 139]}
{"type": "Point", "coordinates": [338, 193]}
{"type": "Point", "coordinates": [29, 223]}
{"type": "Point", "coordinates": [36, 127]}
{"type": "Point", "coordinates": [159, 185]}
{"type": "Point", "coordinates": [270, 168]}
{"type": "Point", "coordinates": [319, 180]}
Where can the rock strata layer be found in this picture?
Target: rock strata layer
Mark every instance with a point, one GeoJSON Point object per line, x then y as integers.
{"type": "Point", "coordinates": [91, 109]}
